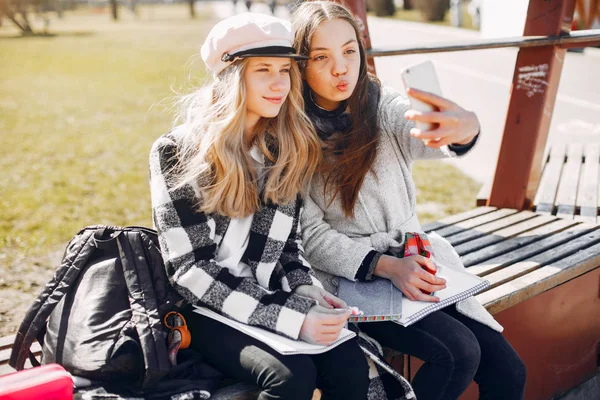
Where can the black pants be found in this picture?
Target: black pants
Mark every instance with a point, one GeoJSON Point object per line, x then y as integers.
{"type": "Point", "coordinates": [341, 373]}
{"type": "Point", "coordinates": [456, 350]}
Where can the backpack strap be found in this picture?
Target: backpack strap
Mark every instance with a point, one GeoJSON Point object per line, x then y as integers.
{"type": "Point", "coordinates": [144, 306]}
{"type": "Point", "coordinates": [76, 255]}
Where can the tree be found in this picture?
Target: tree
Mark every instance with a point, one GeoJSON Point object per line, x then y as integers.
{"type": "Point", "coordinates": [16, 11]}
{"type": "Point", "coordinates": [192, 4]}
{"type": "Point", "coordinates": [114, 5]}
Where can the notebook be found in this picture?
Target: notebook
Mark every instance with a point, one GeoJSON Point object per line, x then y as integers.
{"type": "Point", "coordinates": [277, 342]}
{"type": "Point", "coordinates": [380, 300]}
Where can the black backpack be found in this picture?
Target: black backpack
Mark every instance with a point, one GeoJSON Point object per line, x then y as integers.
{"type": "Point", "coordinates": [101, 315]}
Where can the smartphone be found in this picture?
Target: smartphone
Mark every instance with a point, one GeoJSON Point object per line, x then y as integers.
{"type": "Point", "coordinates": [423, 77]}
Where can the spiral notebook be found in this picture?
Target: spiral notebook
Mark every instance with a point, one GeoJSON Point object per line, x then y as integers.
{"type": "Point", "coordinates": [277, 342]}
{"type": "Point", "coordinates": [380, 300]}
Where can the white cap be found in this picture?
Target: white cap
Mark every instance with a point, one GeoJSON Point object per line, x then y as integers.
{"type": "Point", "coordinates": [247, 35]}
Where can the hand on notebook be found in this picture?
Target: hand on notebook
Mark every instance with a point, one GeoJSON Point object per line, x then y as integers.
{"type": "Point", "coordinates": [322, 325]}
{"type": "Point", "coordinates": [323, 297]}
{"type": "Point", "coordinates": [410, 276]}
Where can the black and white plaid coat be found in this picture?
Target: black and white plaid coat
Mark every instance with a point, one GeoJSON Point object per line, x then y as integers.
{"type": "Point", "coordinates": [190, 241]}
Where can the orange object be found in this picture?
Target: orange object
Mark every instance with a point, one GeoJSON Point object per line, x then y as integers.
{"type": "Point", "coordinates": [179, 325]}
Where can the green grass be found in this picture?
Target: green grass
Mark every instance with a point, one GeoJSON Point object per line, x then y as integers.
{"type": "Point", "coordinates": [414, 15]}
{"type": "Point", "coordinates": [442, 190]}
{"type": "Point", "coordinates": [79, 114]}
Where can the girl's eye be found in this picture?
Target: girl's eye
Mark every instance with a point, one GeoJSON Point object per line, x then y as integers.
{"type": "Point", "coordinates": [263, 70]}
{"type": "Point", "coordinates": [318, 58]}
{"type": "Point", "coordinates": [350, 51]}
{"type": "Point", "coordinates": [285, 71]}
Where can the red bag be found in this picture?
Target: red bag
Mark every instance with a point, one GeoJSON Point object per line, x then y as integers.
{"type": "Point", "coordinates": [48, 382]}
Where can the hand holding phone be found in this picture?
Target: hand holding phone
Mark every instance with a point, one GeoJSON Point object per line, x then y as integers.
{"type": "Point", "coordinates": [423, 77]}
{"type": "Point", "coordinates": [439, 121]}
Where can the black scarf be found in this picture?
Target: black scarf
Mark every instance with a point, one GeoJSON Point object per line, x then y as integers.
{"type": "Point", "coordinates": [329, 122]}
{"type": "Point", "coordinates": [326, 122]}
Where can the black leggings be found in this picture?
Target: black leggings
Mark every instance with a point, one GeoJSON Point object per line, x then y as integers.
{"type": "Point", "coordinates": [456, 350]}
{"type": "Point", "coordinates": [341, 373]}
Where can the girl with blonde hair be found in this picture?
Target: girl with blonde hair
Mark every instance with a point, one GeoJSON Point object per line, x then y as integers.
{"type": "Point", "coordinates": [226, 191]}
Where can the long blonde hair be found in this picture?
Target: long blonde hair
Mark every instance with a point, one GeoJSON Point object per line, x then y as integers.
{"type": "Point", "coordinates": [214, 160]}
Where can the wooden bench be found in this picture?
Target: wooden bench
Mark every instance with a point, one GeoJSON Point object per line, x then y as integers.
{"type": "Point", "coordinates": [545, 279]}
{"type": "Point", "coordinates": [570, 182]}
{"type": "Point", "coordinates": [544, 272]}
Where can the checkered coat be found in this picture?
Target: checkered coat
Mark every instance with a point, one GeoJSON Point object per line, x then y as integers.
{"type": "Point", "coordinates": [190, 241]}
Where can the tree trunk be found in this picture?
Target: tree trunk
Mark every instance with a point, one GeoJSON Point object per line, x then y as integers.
{"type": "Point", "coordinates": [433, 10]}
{"type": "Point", "coordinates": [192, 8]}
{"type": "Point", "coordinates": [382, 8]}
{"type": "Point", "coordinates": [114, 5]}
{"type": "Point", "coordinates": [24, 26]}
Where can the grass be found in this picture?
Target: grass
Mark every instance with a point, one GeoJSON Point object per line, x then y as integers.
{"type": "Point", "coordinates": [80, 108]}
{"type": "Point", "coordinates": [79, 116]}
{"type": "Point", "coordinates": [442, 190]}
{"type": "Point", "coordinates": [414, 15]}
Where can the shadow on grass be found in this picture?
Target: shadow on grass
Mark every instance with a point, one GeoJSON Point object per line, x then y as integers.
{"type": "Point", "coordinates": [24, 36]}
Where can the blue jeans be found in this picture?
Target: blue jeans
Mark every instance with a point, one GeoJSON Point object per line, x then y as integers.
{"type": "Point", "coordinates": [456, 350]}
{"type": "Point", "coordinates": [341, 373]}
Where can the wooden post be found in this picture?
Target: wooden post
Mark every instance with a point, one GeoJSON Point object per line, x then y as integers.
{"type": "Point", "coordinates": [534, 87]}
{"type": "Point", "coordinates": [359, 9]}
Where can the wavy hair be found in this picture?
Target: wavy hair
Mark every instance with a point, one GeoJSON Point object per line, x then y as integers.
{"type": "Point", "coordinates": [214, 159]}
{"type": "Point", "coordinates": [347, 160]}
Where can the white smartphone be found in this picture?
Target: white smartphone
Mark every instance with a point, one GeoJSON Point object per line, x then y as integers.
{"type": "Point", "coordinates": [423, 77]}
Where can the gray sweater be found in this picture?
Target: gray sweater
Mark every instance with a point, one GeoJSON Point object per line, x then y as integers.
{"type": "Point", "coordinates": [385, 209]}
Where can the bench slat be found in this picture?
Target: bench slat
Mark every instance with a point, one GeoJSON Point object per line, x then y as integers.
{"type": "Point", "coordinates": [546, 193]}
{"type": "Point", "coordinates": [453, 219]}
{"type": "Point", "coordinates": [587, 196]}
{"type": "Point", "coordinates": [36, 349]}
{"type": "Point", "coordinates": [510, 244]}
{"type": "Point", "coordinates": [541, 280]}
{"type": "Point", "coordinates": [7, 369]}
{"type": "Point", "coordinates": [549, 257]}
{"type": "Point", "coordinates": [471, 223]}
{"type": "Point", "coordinates": [503, 234]}
{"type": "Point", "coordinates": [531, 249]}
{"type": "Point", "coordinates": [488, 228]}
{"type": "Point", "coordinates": [6, 342]}
{"type": "Point", "coordinates": [569, 181]}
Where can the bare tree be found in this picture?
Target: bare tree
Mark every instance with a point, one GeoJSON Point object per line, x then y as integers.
{"type": "Point", "coordinates": [114, 5]}
{"type": "Point", "coordinates": [16, 11]}
{"type": "Point", "coordinates": [192, 4]}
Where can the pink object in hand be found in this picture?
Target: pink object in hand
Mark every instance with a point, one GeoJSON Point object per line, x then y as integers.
{"type": "Point", "coordinates": [355, 311]}
{"type": "Point", "coordinates": [48, 382]}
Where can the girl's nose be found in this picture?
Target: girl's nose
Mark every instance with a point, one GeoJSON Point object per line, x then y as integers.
{"type": "Point", "coordinates": [339, 67]}
{"type": "Point", "coordinates": [278, 83]}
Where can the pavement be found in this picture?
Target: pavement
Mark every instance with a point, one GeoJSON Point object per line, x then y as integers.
{"type": "Point", "coordinates": [479, 81]}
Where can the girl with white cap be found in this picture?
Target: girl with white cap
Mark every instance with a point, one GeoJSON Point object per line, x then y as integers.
{"type": "Point", "coordinates": [226, 203]}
